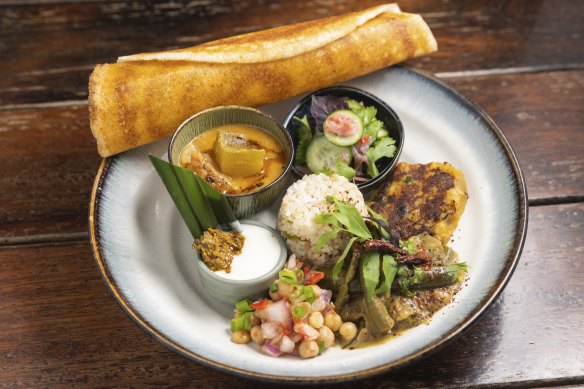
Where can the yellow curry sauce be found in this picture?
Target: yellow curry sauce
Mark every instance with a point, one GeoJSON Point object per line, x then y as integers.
{"type": "Point", "coordinates": [245, 142]}
{"type": "Point", "coordinates": [218, 248]}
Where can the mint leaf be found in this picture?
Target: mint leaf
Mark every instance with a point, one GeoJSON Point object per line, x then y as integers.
{"type": "Point", "coordinates": [349, 217]}
{"type": "Point", "coordinates": [370, 273]}
{"type": "Point", "coordinates": [304, 139]}
{"type": "Point", "coordinates": [376, 215]}
{"type": "Point", "coordinates": [339, 265]}
{"type": "Point", "coordinates": [324, 238]}
{"type": "Point", "coordinates": [326, 218]}
{"type": "Point", "coordinates": [389, 268]}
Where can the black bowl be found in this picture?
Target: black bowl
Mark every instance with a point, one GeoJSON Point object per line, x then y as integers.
{"type": "Point", "coordinates": [384, 113]}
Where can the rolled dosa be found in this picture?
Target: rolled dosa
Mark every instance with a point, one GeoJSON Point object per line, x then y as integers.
{"type": "Point", "coordinates": [145, 97]}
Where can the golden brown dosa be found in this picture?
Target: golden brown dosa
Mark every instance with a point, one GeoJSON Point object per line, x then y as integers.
{"type": "Point", "coordinates": [145, 97]}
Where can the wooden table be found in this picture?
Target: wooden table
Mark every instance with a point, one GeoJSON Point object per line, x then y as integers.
{"type": "Point", "coordinates": [522, 61]}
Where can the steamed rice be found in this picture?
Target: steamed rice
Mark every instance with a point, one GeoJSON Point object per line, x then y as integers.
{"type": "Point", "coordinates": [303, 201]}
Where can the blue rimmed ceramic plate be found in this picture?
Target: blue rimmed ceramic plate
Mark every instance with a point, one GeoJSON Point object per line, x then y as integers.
{"type": "Point", "coordinates": [144, 252]}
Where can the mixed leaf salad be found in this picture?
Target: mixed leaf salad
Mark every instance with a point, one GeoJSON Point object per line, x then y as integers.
{"type": "Point", "coordinates": [342, 136]}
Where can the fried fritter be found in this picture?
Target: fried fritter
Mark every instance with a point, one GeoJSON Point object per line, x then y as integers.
{"type": "Point", "coordinates": [423, 198]}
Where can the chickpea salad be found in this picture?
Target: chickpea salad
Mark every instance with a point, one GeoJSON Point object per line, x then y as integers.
{"type": "Point", "coordinates": [298, 318]}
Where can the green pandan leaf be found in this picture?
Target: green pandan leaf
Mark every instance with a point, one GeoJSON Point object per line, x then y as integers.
{"type": "Point", "coordinates": [200, 205]}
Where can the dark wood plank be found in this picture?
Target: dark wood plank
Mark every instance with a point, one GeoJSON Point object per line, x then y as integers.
{"type": "Point", "coordinates": [48, 157]}
{"type": "Point", "coordinates": [60, 327]}
{"type": "Point", "coordinates": [48, 163]}
{"type": "Point", "coordinates": [49, 48]}
{"type": "Point", "coordinates": [542, 116]}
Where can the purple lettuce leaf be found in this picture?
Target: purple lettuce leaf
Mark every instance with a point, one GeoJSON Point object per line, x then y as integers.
{"type": "Point", "coordinates": [322, 106]}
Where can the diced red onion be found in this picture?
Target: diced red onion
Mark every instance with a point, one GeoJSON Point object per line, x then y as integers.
{"type": "Point", "coordinates": [319, 305]}
{"type": "Point", "coordinates": [307, 332]}
{"type": "Point", "coordinates": [271, 349]}
{"type": "Point", "coordinates": [345, 157]}
{"type": "Point", "coordinates": [291, 325]}
{"type": "Point", "coordinates": [270, 330]}
{"type": "Point", "coordinates": [291, 262]}
{"type": "Point", "coordinates": [360, 159]}
{"type": "Point", "coordinates": [278, 312]}
{"type": "Point", "coordinates": [287, 344]}
{"type": "Point", "coordinates": [326, 295]}
{"type": "Point", "coordinates": [296, 337]}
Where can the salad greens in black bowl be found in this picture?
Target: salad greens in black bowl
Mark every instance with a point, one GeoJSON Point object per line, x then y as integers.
{"type": "Point", "coordinates": [347, 131]}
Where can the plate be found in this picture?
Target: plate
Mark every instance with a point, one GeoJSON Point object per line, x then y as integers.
{"type": "Point", "coordinates": [143, 250]}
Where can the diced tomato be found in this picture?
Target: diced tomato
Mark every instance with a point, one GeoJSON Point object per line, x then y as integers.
{"type": "Point", "coordinates": [364, 139]}
{"type": "Point", "coordinates": [260, 304]}
{"type": "Point", "coordinates": [312, 277]}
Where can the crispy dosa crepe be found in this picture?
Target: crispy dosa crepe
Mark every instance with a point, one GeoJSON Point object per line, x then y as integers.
{"type": "Point", "coordinates": [145, 97]}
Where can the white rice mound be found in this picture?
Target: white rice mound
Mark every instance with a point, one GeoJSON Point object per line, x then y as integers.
{"type": "Point", "coordinates": [306, 199]}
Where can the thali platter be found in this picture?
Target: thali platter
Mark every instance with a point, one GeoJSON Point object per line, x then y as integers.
{"type": "Point", "coordinates": [143, 250]}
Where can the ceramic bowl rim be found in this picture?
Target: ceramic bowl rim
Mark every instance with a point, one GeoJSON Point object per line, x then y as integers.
{"type": "Point", "coordinates": [273, 271]}
{"type": "Point", "coordinates": [255, 111]}
{"type": "Point", "coordinates": [380, 103]}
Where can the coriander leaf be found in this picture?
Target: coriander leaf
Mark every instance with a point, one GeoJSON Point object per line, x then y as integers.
{"type": "Point", "coordinates": [373, 128]}
{"type": "Point", "coordinates": [304, 139]}
{"type": "Point", "coordinates": [372, 170]}
{"type": "Point", "coordinates": [457, 270]}
{"type": "Point", "coordinates": [345, 170]}
{"type": "Point", "coordinates": [418, 277]}
{"type": "Point", "coordinates": [384, 147]}
{"type": "Point", "coordinates": [367, 114]}
{"type": "Point", "coordinates": [324, 238]}
{"type": "Point", "coordinates": [326, 218]}
{"type": "Point", "coordinates": [389, 268]}
{"type": "Point", "coordinates": [339, 265]}
{"type": "Point", "coordinates": [370, 272]}
{"type": "Point", "coordinates": [349, 217]}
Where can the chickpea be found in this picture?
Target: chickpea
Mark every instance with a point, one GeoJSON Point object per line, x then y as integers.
{"type": "Point", "coordinates": [326, 336]}
{"type": "Point", "coordinates": [255, 321]}
{"type": "Point", "coordinates": [316, 320]}
{"type": "Point", "coordinates": [307, 307]}
{"type": "Point", "coordinates": [284, 290]}
{"type": "Point", "coordinates": [241, 337]}
{"type": "Point", "coordinates": [348, 331]}
{"type": "Point", "coordinates": [332, 320]}
{"type": "Point", "coordinates": [257, 335]}
{"type": "Point", "coordinates": [308, 349]}
{"type": "Point", "coordinates": [299, 298]}
{"type": "Point", "coordinates": [316, 291]}
{"type": "Point", "coordinates": [236, 314]}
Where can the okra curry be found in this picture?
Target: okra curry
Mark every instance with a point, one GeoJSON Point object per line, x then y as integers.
{"type": "Point", "coordinates": [235, 158]}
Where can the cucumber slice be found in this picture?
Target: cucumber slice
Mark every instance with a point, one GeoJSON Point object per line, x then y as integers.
{"type": "Point", "coordinates": [322, 155]}
{"type": "Point", "coordinates": [343, 127]}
